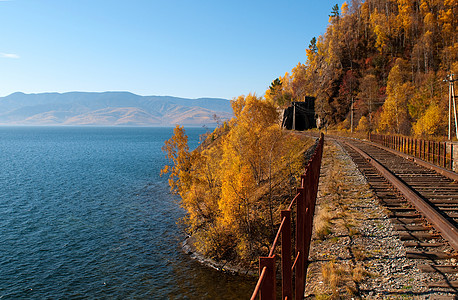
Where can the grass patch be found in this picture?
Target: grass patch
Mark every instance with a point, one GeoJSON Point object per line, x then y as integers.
{"type": "Point", "coordinates": [338, 220]}
{"type": "Point", "coordinates": [322, 223]}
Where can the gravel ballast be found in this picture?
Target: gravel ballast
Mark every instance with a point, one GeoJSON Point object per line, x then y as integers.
{"type": "Point", "coordinates": [359, 254]}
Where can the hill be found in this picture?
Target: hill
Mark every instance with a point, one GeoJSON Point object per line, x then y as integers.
{"type": "Point", "coordinates": [110, 108]}
{"type": "Point", "coordinates": [383, 62]}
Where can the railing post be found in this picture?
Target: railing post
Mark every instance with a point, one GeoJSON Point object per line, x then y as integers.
{"type": "Point", "coordinates": [433, 151]}
{"type": "Point", "coordinates": [442, 155]}
{"type": "Point", "coordinates": [421, 148]}
{"type": "Point", "coordinates": [287, 275]}
{"type": "Point", "coordinates": [300, 224]}
{"type": "Point", "coordinates": [445, 155]}
{"type": "Point", "coordinates": [425, 150]}
{"type": "Point", "coordinates": [268, 287]}
{"type": "Point", "coordinates": [451, 157]}
{"type": "Point", "coordinates": [309, 207]}
{"type": "Point", "coordinates": [429, 151]}
{"type": "Point", "coordinates": [439, 158]}
{"type": "Point", "coordinates": [435, 155]}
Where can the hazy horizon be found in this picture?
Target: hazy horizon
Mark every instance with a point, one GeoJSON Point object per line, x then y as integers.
{"type": "Point", "coordinates": [185, 49]}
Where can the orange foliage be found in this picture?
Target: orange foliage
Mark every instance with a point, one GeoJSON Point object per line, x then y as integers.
{"type": "Point", "coordinates": [228, 188]}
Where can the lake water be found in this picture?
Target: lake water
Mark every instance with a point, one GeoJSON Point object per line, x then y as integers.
{"type": "Point", "coordinates": [85, 214]}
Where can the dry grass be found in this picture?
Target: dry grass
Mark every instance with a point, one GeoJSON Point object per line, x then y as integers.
{"type": "Point", "coordinates": [322, 223]}
{"type": "Point", "coordinates": [337, 220]}
{"type": "Point", "coordinates": [360, 254]}
{"type": "Point", "coordinates": [340, 279]}
{"type": "Point", "coordinates": [334, 276]}
{"type": "Point", "coordinates": [359, 273]}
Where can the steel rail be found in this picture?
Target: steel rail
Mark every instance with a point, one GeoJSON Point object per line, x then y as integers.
{"type": "Point", "coordinates": [447, 173]}
{"type": "Point", "coordinates": [446, 229]}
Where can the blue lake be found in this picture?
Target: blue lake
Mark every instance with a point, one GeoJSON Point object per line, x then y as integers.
{"type": "Point", "coordinates": [85, 214]}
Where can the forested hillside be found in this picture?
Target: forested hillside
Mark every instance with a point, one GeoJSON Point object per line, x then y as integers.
{"type": "Point", "coordinates": [389, 57]}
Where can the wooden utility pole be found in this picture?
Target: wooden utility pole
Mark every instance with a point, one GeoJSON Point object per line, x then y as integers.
{"type": "Point", "coordinates": [451, 100]}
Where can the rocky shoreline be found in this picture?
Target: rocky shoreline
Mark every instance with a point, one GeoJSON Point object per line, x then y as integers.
{"type": "Point", "coordinates": [224, 266]}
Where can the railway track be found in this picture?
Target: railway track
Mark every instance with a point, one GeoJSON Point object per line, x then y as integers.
{"type": "Point", "coordinates": [423, 208]}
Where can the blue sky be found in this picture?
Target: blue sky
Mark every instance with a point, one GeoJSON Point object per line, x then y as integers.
{"type": "Point", "coordinates": [184, 48]}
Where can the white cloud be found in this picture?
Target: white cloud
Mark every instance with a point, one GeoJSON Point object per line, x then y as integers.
{"type": "Point", "coordinates": [8, 55]}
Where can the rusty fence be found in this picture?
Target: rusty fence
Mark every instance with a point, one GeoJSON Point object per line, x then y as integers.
{"type": "Point", "coordinates": [292, 267]}
{"type": "Point", "coordinates": [438, 153]}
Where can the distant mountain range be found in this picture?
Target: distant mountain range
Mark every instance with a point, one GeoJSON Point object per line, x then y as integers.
{"type": "Point", "coordinates": [110, 108]}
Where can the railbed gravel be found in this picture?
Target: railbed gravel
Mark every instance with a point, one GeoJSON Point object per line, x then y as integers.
{"type": "Point", "coordinates": [388, 274]}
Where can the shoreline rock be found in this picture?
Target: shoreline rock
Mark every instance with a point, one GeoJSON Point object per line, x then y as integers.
{"type": "Point", "coordinates": [188, 248]}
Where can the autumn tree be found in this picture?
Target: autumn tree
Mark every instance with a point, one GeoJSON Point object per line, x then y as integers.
{"type": "Point", "coordinates": [194, 177]}
{"type": "Point", "coordinates": [278, 93]}
{"type": "Point", "coordinates": [178, 154]}
{"type": "Point", "coordinates": [229, 187]}
{"type": "Point", "coordinates": [395, 117]}
{"type": "Point", "coordinates": [432, 122]}
{"type": "Point", "coordinates": [368, 96]}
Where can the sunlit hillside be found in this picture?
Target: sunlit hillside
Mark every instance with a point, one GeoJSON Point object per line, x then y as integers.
{"type": "Point", "coordinates": [389, 58]}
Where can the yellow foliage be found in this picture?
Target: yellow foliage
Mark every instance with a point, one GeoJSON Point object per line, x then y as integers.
{"type": "Point", "coordinates": [344, 8]}
{"type": "Point", "coordinates": [431, 123]}
{"type": "Point", "coordinates": [227, 186]}
{"type": "Point", "coordinates": [344, 126]}
{"type": "Point", "coordinates": [394, 117]}
{"type": "Point", "coordinates": [363, 125]}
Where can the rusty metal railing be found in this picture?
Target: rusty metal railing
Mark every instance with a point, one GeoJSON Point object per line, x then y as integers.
{"type": "Point", "coordinates": [304, 201]}
{"type": "Point", "coordinates": [438, 153]}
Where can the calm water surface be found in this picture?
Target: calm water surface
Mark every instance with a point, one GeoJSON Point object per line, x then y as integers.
{"type": "Point", "coordinates": [84, 214]}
